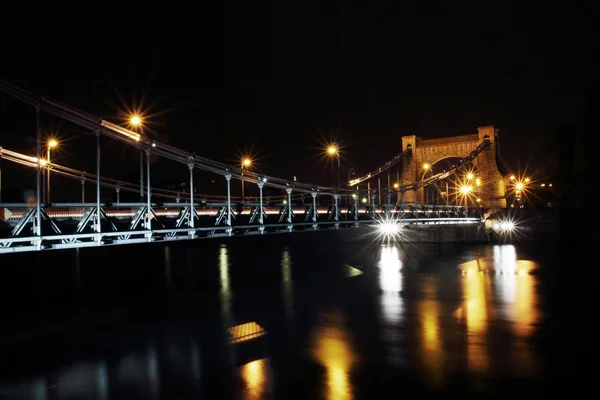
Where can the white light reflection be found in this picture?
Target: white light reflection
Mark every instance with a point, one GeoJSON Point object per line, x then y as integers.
{"type": "Point", "coordinates": [153, 373]}
{"type": "Point", "coordinates": [287, 283]}
{"type": "Point", "coordinates": [390, 279]}
{"type": "Point", "coordinates": [168, 265]}
{"type": "Point", "coordinates": [392, 308]}
{"type": "Point", "coordinates": [225, 289]}
{"type": "Point", "coordinates": [517, 288]}
{"type": "Point", "coordinates": [505, 266]}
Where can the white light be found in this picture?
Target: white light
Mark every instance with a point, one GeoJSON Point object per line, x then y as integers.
{"type": "Point", "coordinates": [507, 226]}
{"type": "Point", "coordinates": [389, 228]}
{"type": "Point", "coordinates": [264, 179]}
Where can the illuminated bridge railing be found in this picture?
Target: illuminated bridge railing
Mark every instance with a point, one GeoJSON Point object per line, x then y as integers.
{"type": "Point", "coordinates": [72, 225]}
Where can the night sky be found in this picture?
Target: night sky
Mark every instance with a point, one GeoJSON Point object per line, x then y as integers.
{"type": "Point", "coordinates": [279, 80]}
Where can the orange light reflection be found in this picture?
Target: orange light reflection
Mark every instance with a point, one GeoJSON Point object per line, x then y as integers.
{"type": "Point", "coordinates": [254, 375]}
{"type": "Point", "coordinates": [333, 351]}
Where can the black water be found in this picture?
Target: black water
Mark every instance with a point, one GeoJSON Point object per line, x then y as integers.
{"type": "Point", "coordinates": [343, 320]}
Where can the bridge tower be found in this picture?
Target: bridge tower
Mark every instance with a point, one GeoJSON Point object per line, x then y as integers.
{"type": "Point", "coordinates": [431, 151]}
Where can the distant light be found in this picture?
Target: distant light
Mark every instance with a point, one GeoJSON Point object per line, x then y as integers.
{"type": "Point", "coordinates": [507, 226]}
{"type": "Point", "coordinates": [153, 144]}
{"type": "Point", "coordinates": [465, 189]}
{"type": "Point", "coordinates": [246, 162]}
{"type": "Point", "coordinates": [43, 162]}
{"type": "Point", "coordinates": [364, 200]}
{"type": "Point", "coordinates": [354, 196]}
{"type": "Point", "coordinates": [527, 180]}
{"type": "Point", "coordinates": [264, 179]}
{"type": "Point", "coordinates": [550, 184]}
{"type": "Point", "coordinates": [478, 200]}
{"type": "Point", "coordinates": [543, 184]}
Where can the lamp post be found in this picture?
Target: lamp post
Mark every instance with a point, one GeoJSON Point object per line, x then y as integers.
{"type": "Point", "coordinates": [136, 121]}
{"type": "Point", "coordinates": [52, 143]}
{"type": "Point", "coordinates": [334, 151]}
{"type": "Point", "coordinates": [246, 163]}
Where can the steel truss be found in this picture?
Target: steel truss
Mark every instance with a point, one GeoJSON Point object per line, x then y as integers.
{"type": "Point", "coordinates": [127, 223]}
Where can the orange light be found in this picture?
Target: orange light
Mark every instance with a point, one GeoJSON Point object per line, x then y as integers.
{"type": "Point", "coordinates": [332, 150]}
{"type": "Point", "coordinates": [52, 143]}
{"type": "Point", "coordinates": [246, 162]}
{"type": "Point", "coordinates": [135, 120]}
{"type": "Point", "coordinates": [426, 166]}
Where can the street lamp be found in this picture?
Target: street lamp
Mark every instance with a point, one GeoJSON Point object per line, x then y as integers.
{"type": "Point", "coordinates": [334, 151]}
{"type": "Point", "coordinates": [135, 120]}
{"type": "Point", "coordinates": [52, 143]}
{"type": "Point", "coordinates": [246, 163]}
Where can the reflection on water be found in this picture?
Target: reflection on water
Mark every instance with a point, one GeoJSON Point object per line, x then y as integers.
{"type": "Point", "coordinates": [517, 288]}
{"type": "Point", "coordinates": [167, 265]}
{"type": "Point", "coordinates": [287, 284]}
{"type": "Point", "coordinates": [432, 349]}
{"type": "Point", "coordinates": [392, 309]}
{"type": "Point", "coordinates": [475, 312]}
{"type": "Point", "coordinates": [332, 350]}
{"type": "Point", "coordinates": [225, 293]}
{"type": "Point", "coordinates": [255, 377]}
{"type": "Point", "coordinates": [429, 321]}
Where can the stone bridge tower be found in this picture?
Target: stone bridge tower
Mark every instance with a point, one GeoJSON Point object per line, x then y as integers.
{"type": "Point", "coordinates": [431, 151]}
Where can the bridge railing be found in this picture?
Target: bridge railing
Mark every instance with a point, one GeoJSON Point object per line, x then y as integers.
{"type": "Point", "coordinates": [71, 225]}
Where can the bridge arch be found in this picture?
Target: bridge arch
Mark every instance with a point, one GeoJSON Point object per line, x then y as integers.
{"type": "Point", "coordinates": [428, 152]}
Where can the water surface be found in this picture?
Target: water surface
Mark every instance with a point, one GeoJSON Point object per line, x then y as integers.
{"type": "Point", "coordinates": [337, 320]}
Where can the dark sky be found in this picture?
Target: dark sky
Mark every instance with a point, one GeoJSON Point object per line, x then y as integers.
{"type": "Point", "coordinates": [280, 78]}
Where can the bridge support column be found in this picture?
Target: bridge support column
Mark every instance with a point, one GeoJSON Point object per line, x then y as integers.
{"type": "Point", "coordinates": [389, 204]}
{"type": "Point", "coordinates": [149, 194]}
{"type": "Point", "coordinates": [373, 195]}
{"type": "Point", "coordinates": [82, 189]}
{"type": "Point", "coordinates": [336, 215]}
{"type": "Point", "coordinates": [228, 178]}
{"type": "Point", "coordinates": [141, 175]}
{"type": "Point", "coordinates": [314, 211]}
{"type": "Point", "coordinates": [118, 190]}
{"type": "Point", "coordinates": [355, 197]}
{"type": "Point", "coordinates": [38, 218]}
{"type": "Point", "coordinates": [192, 218]}
{"type": "Point", "coordinates": [289, 193]}
{"type": "Point", "coordinates": [402, 204]}
{"type": "Point", "coordinates": [261, 221]}
{"type": "Point", "coordinates": [98, 211]}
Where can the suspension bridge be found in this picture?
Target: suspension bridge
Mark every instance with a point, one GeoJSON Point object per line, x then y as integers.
{"type": "Point", "coordinates": [164, 215]}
